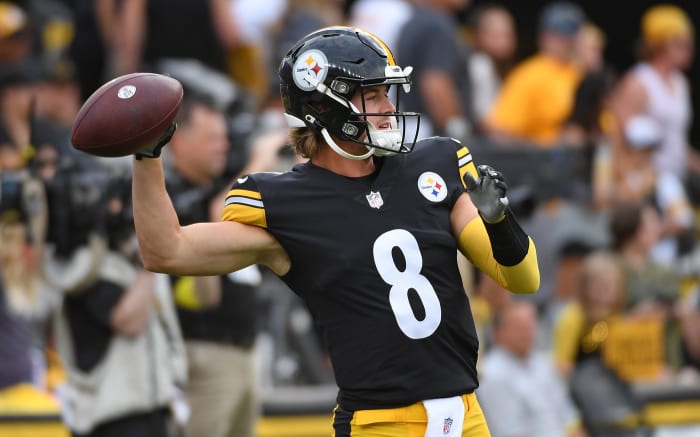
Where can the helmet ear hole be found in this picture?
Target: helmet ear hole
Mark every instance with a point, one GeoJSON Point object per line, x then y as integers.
{"type": "Point", "coordinates": [342, 87]}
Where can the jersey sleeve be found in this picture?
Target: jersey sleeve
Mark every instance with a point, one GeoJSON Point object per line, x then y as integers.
{"type": "Point", "coordinates": [244, 203]}
{"type": "Point", "coordinates": [453, 160]}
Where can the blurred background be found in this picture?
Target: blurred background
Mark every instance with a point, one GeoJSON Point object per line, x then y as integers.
{"type": "Point", "coordinates": [588, 108]}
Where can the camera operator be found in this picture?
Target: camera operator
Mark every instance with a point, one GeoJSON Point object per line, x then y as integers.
{"type": "Point", "coordinates": [117, 331]}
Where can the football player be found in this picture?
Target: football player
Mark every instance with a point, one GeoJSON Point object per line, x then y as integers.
{"type": "Point", "coordinates": [366, 232]}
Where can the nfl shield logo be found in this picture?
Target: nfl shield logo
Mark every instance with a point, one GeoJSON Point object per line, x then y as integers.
{"type": "Point", "coordinates": [375, 199]}
{"type": "Point", "coordinates": [446, 426]}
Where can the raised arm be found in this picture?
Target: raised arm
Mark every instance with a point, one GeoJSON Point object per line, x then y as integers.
{"type": "Point", "coordinates": [198, 249]}
{"type": "Point", "coordinates": [490, 237]}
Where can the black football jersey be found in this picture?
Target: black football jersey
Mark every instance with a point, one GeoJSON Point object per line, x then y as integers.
{"type": "Point", "coordinates": [375, 260]}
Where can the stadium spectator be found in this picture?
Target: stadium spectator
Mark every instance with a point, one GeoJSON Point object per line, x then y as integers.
{"type": "Point", "coordinates": [25, 301]}
{"type": "Point", "coordinates": [330, 226]}
{"type": "Point", "coordinates": [94, 27]}
{"type": "Point", "coordinates": [144, 32]}
{"type": "Point", "coordinates": [657, 88]}
{"type": "Point", "coordinates": [16, 96]}
{"type": "Point", "coordinates": [636, 227]}
{"type": "Point", "coordinates": [14, 32]}
{"type": "Point", "coordinates": [493, 39]}
{"type": "Point", "coordinates": [652, 289]}
{"type": "Point", "coordinates": [590, 48]}
{"type": "Point", "coordinates": [21, 372]}
{"type": "Point", "coordinates": [636, 177]}
{"type": "Point", "coordinates": [15, 347]}
{"type": "Point", "coordinates": [521, 392]}
{"type": "Point", "coordinates": [430, 42]}
{"type": "Point", "coordinates": [653, 98]}
{"type": "Point", "coordinates": [590, 123]}
{"type": "Point", "coordinates": [538, 93]}
{"type": "Point", "coordinates": [40, 96]}
{"type": "Point", "coordinates": [580, 328]}
{"type": "Point", "coordinates": [23, 229]}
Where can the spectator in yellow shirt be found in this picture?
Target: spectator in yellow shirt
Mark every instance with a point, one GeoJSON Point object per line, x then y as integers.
{"type": "Point", "coordinates": [537, 96]}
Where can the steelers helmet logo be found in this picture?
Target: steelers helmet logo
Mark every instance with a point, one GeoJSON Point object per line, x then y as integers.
{"type": "Point", "coordinates": [432, 186]}
{"type": "Point", "coordinates": [310, 64]}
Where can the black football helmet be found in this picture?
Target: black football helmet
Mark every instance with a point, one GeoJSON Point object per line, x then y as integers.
{"type": "Point", "coordinates": [322, 72]}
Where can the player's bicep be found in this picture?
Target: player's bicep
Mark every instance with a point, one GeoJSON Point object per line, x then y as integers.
{"type": "Point", "coordinates": [223, 247]}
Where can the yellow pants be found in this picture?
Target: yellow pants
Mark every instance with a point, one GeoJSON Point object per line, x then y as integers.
{"type": "Point", "coordinates": [409, 421]}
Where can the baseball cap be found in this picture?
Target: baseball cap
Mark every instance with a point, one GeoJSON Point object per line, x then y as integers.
{"type": "Point", "coordinates": [664, 22]}
{"type": "Point", "coordinates": [561, 17]}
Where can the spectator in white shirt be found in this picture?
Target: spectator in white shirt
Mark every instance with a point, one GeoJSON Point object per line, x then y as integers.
{"type": "Point", "coordinates": [520, 392]}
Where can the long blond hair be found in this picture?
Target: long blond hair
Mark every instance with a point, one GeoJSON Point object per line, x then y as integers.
{"type": "Point", "coordinates": [305, 141]}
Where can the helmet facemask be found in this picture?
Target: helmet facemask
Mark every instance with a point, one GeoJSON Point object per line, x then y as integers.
{"type": "Point", "coordinates": [402, 135]}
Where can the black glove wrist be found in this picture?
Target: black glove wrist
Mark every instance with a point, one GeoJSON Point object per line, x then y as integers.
{"type": "Point", "coordinates": [153, 150]}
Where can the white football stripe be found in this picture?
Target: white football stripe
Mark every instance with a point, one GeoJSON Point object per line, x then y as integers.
{"type": "Point", "coordinates": [244, 201]}
{"type": "Point", "coordinates": [466, 159]}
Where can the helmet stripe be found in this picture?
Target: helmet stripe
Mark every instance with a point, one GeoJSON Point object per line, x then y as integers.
{"type": "Point", "coordinates": [389, 54]}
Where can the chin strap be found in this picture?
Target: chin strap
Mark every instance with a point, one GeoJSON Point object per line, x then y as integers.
{"type": "Point", "coordinates": [337, 149]}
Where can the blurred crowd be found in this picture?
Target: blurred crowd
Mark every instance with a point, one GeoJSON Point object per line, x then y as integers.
{"type": "Point", "coordinates": [599, 164]}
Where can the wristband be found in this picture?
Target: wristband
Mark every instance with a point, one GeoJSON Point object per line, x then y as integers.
{"type": "Point", "coordinates": [509, 242]}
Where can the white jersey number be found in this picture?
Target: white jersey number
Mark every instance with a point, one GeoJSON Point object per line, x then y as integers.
{"type": "Point", "coordinates": [408, 279]}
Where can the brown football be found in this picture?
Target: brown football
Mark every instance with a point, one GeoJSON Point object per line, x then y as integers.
{"type": "Point", "coordinates": [126, 114]}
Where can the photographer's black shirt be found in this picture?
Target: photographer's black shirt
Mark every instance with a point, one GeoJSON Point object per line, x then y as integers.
{"type": "Point", "coordinates": [235, 320]}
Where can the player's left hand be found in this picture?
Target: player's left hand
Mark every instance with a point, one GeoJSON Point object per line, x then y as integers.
{"type": "Point", "coordinates": [488, 193]}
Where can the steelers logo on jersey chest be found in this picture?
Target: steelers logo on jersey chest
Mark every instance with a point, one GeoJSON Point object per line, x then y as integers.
{"type": "Point", "coordinates": [432, 186]}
